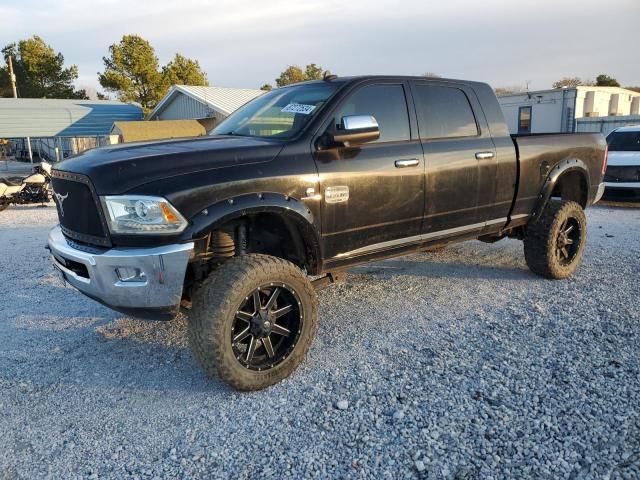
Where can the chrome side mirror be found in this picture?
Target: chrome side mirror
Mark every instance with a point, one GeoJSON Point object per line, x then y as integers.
{"type": "Point", "coordinates": [355, 130]}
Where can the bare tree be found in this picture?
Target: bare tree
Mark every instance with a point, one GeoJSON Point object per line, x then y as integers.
{"type": "Point", "coordinates": [500, 91]}
{"type": "Point", "coordinates": [569, 82]}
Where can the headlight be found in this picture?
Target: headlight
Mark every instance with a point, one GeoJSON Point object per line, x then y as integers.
{"type": "Point", "coordinates": [127, 214]}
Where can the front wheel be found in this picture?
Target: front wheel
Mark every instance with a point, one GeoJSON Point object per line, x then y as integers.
{"type": "Point", "coordinates": [553, 246]}
{"type": "Point", "coordinates": [253, 321]}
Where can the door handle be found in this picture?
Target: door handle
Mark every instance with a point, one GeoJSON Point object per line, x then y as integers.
{"type": "Point", "coordinates": [410, 162]}
{"type": "Point", "coordinates": [484, 155]}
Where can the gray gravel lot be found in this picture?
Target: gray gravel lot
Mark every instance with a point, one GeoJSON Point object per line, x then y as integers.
{"type": "Point", "coordinates": [457, 364]}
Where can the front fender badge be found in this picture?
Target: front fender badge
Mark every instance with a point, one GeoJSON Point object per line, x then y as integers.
{"type": "Point", "coordinates": [338, 194]}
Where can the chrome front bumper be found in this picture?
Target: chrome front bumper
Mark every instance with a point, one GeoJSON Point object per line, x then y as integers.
{"type": "Point", "coordinates": [151, 286]}
{"type": "Point", "coordinates": [629, 185]}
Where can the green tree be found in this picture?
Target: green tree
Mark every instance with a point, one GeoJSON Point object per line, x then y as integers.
{"type": "Point", "coordinates": [292, 74]}
{"type": "Point", "coordinates": [313, 72]}
{"type": "Point", "coordinates": [603, 80]}
{"type": "Point", "coordinates": [266, 87]}
{"type": "Point", "coordinates": [295, 74]}
{"type": "Point", "coordinates": [39, 70]}
{"type": "Point", "coordinates": [184, 71]}
{"type": "Point", "coordinates": [132, 72]}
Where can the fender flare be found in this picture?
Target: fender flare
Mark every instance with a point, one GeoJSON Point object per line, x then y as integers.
{"type": "Point", "coordinates": [294, 212]}
{"type": "Point", "coordinates": [565, 166]}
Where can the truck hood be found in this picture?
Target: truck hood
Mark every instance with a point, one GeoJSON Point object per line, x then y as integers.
{"type": "Point", "coordinates": [119, 168]}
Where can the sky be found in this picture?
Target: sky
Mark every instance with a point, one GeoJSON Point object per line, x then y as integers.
{"type": "Point", "coordinates": [246, 43]}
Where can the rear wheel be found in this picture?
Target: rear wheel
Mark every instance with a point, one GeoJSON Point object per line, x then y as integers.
{"type": "Point", "coordinates": [253, 321]}
{"type": "Point", "coordinates": [553, 246]}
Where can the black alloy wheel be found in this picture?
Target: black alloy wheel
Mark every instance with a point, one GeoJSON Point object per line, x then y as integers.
{"type": "Point", "coordinates": [568, 241]}
{"type": "Point", "coordinates": [554, 243]}
{"type": "Point", "coordinates": [267, 326]}
{"type": "Point", "coordinates": [253, 320]}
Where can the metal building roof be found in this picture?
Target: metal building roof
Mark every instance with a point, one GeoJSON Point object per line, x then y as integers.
{"type": "Point", "coordinates": [34, 117]}
{"type": "Point", "coordinates": [221, 100]}
{"type": "Point", "coordinates": [157, 130]}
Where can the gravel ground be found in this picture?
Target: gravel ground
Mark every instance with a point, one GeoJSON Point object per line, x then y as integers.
{"type": "Point", "coordinates": [458, 364]}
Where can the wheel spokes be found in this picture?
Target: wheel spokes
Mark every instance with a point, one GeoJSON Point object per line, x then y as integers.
{"type": "Point", "coordinates": [242, 335]}
{"type": "Point", "coordinates": [257, 304]}
{"type": "Point", "coordinates": [568, 230]}
{"type": "Point", "coordinates": [266, 342]}
{"type": "Point", "coordinates": [285, 332]}
{"type": "Point", "coordinates": [564, 251]}
{"type": "Point", "coordinates": [259, 313]}
{"type": "Point", "coordinates": [251, 350]}
{"type": "Point", "coordinates": [272, 299]}
{"type": "Point", "coordinates": [244, 316]}
{"type": "Point", "coordinates": [282, 311]}
{"type": "Point", "coordinates": [563, 226]}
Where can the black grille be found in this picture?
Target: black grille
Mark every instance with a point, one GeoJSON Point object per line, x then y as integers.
{"type": "Point", "coordinates": [78, 211]}
{"type": "Point", "coordinates": [622, 174]}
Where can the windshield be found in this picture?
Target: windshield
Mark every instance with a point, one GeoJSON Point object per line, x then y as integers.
{"type": "Point", "coordinates": [280, 113]}
{"type": "Point", "coordinates": [624, 142]}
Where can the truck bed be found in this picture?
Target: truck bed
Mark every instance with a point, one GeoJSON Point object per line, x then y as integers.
{"type": "Point", "coordinates": [539, 154]}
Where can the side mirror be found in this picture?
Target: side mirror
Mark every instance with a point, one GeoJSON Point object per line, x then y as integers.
{"type": "Point", "coordinates": [355, 130]}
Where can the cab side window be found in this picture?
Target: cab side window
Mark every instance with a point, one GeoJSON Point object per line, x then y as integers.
{"type": "Point", "coordinates": [387, 103]}
{"type": "Point", "coordinates": [444, 112]}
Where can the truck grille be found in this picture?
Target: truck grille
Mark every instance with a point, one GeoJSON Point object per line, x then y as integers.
{"type": "Point", "coordinates": [79, 213]}
{"type": "Point", "coordinates": [622, 174]}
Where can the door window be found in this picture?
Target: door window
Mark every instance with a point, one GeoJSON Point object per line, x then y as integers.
{"type": "Point", "coordinates": [444, 112]}
{"type": "Point", "coordinates": [524, 120]}
{"type": "Point", "coordinates": [388, 106]}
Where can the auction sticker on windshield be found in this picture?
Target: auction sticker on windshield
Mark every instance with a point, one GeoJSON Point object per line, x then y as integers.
{"type": "Point", "coordinates": [299, 108]}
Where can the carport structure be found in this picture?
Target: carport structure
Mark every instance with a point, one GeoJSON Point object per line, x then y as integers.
{"type": "Point", "coordinates": [51, 129]}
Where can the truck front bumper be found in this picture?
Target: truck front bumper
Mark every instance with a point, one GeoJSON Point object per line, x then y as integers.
{"type": "Point", "coordinates": [143, 282]}
{"type": "Point", "coordinates": [622, 191]}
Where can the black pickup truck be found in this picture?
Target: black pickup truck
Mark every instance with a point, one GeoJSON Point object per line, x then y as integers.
{"type": "Point", "coordinates": [243, 226]}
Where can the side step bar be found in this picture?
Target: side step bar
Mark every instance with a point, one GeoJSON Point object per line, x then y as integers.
{"type": "Point", "coordinates": [327, 280]}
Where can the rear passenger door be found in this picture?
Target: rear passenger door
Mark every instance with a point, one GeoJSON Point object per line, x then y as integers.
{"type": "Point", "coordinates": [459, 154]}
{"type": "Point", "coordinates": [380, 183]}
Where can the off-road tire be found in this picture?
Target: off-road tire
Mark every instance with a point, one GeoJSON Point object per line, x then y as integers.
{"type": "Point", "coordinates": [540, 242]}
{"type": "Point", "coordinates": [214, 307]}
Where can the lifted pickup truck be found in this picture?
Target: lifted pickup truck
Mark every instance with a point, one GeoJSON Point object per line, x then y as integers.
{"type": "Point", "coordinates": [243, 226]}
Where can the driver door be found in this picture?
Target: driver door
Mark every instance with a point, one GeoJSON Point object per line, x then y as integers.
{"type": "Point", "coordinates": [373, 193]}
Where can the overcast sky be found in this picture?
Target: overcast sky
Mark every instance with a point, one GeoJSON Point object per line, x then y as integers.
{"type": "Point", "coordinates": [246, 43]}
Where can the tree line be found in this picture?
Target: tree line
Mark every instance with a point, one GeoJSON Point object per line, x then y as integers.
{"type": "Point", "coordinates": [602, 80]}
{"type": "Point", "coordinates": [132, 72]}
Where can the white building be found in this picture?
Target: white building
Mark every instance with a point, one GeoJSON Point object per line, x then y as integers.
{"type": "Point", "coordinates": [556, 110]}
{"type": "Point", "coordinates": [190, 102]}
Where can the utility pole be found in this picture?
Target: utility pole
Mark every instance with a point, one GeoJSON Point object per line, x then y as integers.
{"type": "Point", "coordinates": [12, 76]}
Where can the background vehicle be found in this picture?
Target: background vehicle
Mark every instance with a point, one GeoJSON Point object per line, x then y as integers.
{"type": "Point", "coordinates": [311, 179]}
{"type": "Point", "coordinates": [622, 179]}
{"type": "Point", "coordinates": [32, 189]}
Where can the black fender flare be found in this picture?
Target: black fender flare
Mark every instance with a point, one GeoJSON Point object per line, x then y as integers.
{"type": "Point", "coordinates": [293, 211]}
{"type": "Point", "coordinates": [565, 166]}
